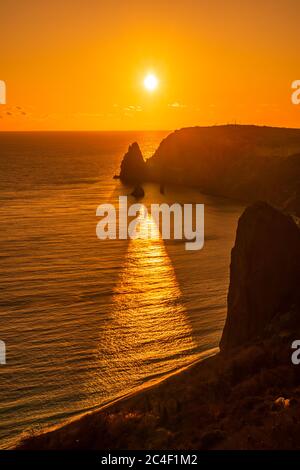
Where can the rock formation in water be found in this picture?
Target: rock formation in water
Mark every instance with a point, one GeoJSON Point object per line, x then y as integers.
{"type": "Point", "coordinates": [133, 166]}
{"type": "Point", "coordinates": [242, 162]}
{"type": "Point", "coordinates": [264, 274]}
{"type": "Point", "coordinates": [138, 192]}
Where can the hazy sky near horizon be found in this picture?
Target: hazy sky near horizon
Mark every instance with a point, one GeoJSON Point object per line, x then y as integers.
{"type": "Point", "coordinates": [77, 64]}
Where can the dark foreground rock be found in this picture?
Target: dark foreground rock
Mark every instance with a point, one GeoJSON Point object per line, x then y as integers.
{"type": "Point", "coordinates": [247, 396]}
{"type": "Point", "coordinates": [264, 273]}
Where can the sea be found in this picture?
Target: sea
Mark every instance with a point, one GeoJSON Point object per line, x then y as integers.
{"type": "Point", "coordinates": [88, 321]}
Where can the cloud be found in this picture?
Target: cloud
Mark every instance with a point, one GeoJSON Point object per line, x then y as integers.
{"type": "Point", "coordinates": [133, 108]}
{"type": "Point", "coordinates": [177, 105]}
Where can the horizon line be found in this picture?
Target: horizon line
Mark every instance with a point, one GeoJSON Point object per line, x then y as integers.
{"type": "Point", "coordinates": [88, 130]}
{"type": "Point", "coordinates": [147, 130]}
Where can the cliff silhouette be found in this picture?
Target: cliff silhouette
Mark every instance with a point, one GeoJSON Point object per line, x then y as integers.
{"type": "Point", "coordinates": [245, 397]}
{"type": "Point", "coordinates": [264, 274]}
{"type": "Point", "coordinates": [247, 163]}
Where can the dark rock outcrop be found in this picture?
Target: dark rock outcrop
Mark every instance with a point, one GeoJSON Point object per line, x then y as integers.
{"type": "Point", "coordinates": [133, 166]}
{"type": "Point", "coordinates": [138, 192]}
{"type": "Point", "coordinates": [264, 274]}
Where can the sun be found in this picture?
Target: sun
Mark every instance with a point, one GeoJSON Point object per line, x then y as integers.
{"type": "Point", "coordinates": [150, 82]}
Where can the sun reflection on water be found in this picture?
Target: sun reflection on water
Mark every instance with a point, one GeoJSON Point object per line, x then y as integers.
{"type": "Point", "coordinates": [148, 324]}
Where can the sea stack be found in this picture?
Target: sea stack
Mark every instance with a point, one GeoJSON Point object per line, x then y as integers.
{"type": "Point", "coordinates": [133, 166]}
{"type": "Point", "coordinates": [138, 192]}
{"type": "Point", "coordinates": [264, 274]}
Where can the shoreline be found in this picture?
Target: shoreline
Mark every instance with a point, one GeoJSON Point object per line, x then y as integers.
{"type": "Point", "coordinates": [138, 391]}
{"type": "Point", "coordinates": [220, 403]}
{"type": "Point", "coordinates": [247, 396]}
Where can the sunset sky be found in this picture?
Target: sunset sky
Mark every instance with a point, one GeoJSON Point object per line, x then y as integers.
{"type": "Point", "coordinates": [77, 64]}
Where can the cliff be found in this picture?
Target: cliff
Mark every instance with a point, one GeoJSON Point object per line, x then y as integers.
{"type": "Point", "coordinates": [242, 162]}
{"type": "Point", "coordinates": [264, 274]}
{"type": "Point", "coordinates": [245, 397]}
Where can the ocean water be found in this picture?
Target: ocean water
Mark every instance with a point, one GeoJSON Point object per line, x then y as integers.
{"type": "Point", "coordinates": [85, 320]}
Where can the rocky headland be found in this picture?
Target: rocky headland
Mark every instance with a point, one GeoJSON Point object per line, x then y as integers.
{"type": "Point", "coordinates": [247, 163]}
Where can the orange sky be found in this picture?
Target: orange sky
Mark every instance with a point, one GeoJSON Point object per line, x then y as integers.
{"type": "Point", "coordinates": [76, 64]}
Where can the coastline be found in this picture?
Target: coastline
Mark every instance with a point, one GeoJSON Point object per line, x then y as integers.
{"type": "Point", "coordinates": [119, 401]}
{"type": "Point", "coordinates": [223, 402]}
{"type": "Point", "coordinates": [247, 396]}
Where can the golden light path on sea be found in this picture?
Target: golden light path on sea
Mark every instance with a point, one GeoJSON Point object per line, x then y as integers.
{"type": "Point", "coordinates": [149, 323]}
